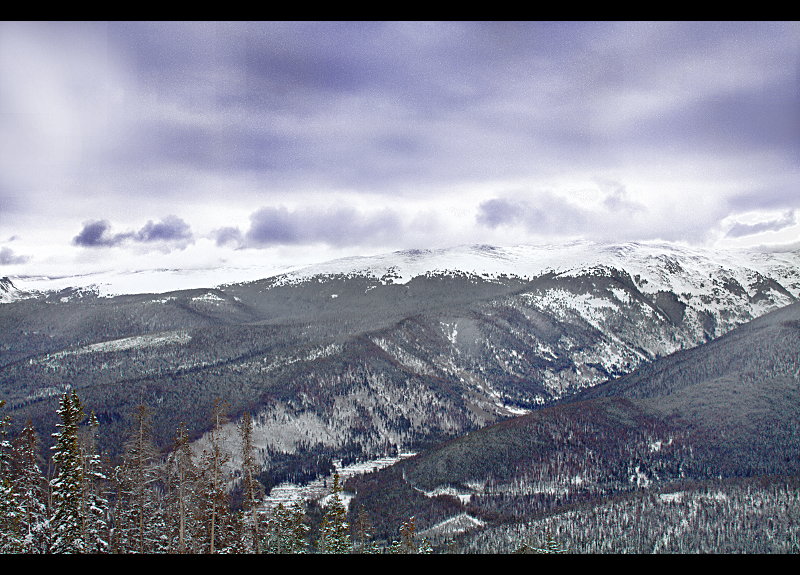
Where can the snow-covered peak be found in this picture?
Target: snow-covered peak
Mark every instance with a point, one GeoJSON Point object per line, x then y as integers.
{"type": "Point", "coordinates": [9, 292]}
{"type": "Point", "coordinates": [659, 264]}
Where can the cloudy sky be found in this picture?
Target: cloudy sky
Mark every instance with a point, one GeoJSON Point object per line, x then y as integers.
{"type": "Point", "coordinates": [133, 145]}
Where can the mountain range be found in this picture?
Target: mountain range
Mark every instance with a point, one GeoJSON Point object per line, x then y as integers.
{"type": "Point", "coordinates": [487, 360]}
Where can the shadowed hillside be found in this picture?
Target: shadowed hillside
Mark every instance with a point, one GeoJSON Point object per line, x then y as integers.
{"type": "Point", "coordinates": [729, 408]}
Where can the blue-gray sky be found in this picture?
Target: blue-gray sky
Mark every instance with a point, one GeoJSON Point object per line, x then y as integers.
{"type": "Point", "coordinates": [196, 143]}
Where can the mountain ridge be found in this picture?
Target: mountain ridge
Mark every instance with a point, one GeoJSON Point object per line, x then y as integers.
{"type": "Point", "coordinates": [358, 364]}
{"type": "Point", "coordinates": [522, 260]}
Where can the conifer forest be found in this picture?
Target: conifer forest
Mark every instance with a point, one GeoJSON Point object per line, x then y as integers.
{"type": "Point", "coordinates": [78, 502]}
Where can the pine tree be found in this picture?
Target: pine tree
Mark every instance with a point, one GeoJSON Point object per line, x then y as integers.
{"type": "Point", "coordinates": [252, 490]}
{"type": "Point", "coordinates": [363, 533]}
{"type": "Point", "coordinates": [96, 505]}
{"type": "Point", "coordinates": [287, 530]}
{"type": "Point", "coordinates": [408, 543]}
{"type": "Point", "coordinates": [334, 531]}
{"type": "Point", "coordinates": [10, 516]}
{"type": "Point", "coordinates": [67, 486]}
{"type": "Point", "coordinates": [552, 546]}
{"type": "Point", "coordinates": [30, 487]}
{"type": "Point", "coordinates": [137, 516]}
{"type": "Point", "coordinates": [181, 499]}
{"type": "Point", "coordinates": [218, 526]}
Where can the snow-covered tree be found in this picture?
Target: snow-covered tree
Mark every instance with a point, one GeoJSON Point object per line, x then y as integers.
{"type": "Point", "coordinates": [67, 517]}
{"type": "Point", "coordinates": [408, 543]}
{"type": "Point", "coordinates": [29, 484]}
{"type": "Point", "coordinates": [286, 530]}
{"type": "Point", "coordinates": [95, 479]}
{"type": "Point", "coordinates": [218, 525]}
{"type": "Point", "coordinates": [334, 536]}
{"type": "Point", "coordinates": [10, 517]}
{"type": "Point", "coordinates": [181, 498]}
{"type": "Point", "coordinates": [551, 546]}
{"type": "Point", "coordinates": [137, 518]}
{"type": "Point", "coordinates": [362, 533]}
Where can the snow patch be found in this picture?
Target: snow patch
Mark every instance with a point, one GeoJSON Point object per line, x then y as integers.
{"type": "Point", "coordinates": [320, 489]}
{"type": "Point", "coordinates": [453, 526]}
{"type": "Point", "coordinates": [135, 342]}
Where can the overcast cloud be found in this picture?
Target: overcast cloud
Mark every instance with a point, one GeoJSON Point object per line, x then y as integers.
{"type": "Point", "coordinates": [353, 138]}
{"type": "Point", "coordinates": [171, 230]}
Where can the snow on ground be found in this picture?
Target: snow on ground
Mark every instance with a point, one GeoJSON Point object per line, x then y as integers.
{"type": "Point", "coordinates": [320, 489]}
{"type": "Point", "coordinates": [453, 526]}
{"type": "Point", "coordinates": [111, 283]}
{"type": "Point", "coordinates": [135, 342]}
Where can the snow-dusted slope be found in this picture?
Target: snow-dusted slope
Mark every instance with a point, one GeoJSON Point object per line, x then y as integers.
{"type": "Point", "coordinates": [10, 292]}
{"type": "Point", "coordinates": [112, 283]}
{"type": "Point", "coordinates": [654, 261]}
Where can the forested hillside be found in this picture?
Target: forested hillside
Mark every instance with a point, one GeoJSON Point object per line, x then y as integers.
{"type": "Point", "coordinates": [691, 423]}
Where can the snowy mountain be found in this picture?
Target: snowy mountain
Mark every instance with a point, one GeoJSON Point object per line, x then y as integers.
{"type": "Point", "coordinates": [9, 292]}
{"type": "Point", "coordinates": [523, 261]}
{"type": "Point", "coordinates": [657, 262]}
{"type": "Point", "coordinates": [360, 357]}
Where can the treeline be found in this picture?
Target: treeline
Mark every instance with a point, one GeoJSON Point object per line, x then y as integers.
{"type": "Point", "coordinates": [80, 502]}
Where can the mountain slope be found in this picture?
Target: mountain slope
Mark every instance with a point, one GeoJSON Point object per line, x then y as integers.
{"type": "Point", "coordinates": [727, 408]}
{"type": "Point", "coordinates": [355, 357]}
{"type": "Point", "coordinates": [741, 390]}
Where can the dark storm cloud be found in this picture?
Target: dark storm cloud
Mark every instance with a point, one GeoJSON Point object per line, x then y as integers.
{"type": "Point", "coordinates": [367, 105]}
{"type": "Point", "coordinates": [170, 230]}
{"type": "Point", "coordinates": [765, 118]}
{"type": "Point", "coordinates": [8, 257]}
{"type": "Point", "coordinates": [340, 226]}
{"type": "Point", "coordinates": [500, 212]}
{"type": "Point", "coordinates": [781, 196]}
{"type": "Point", "coordinates": [740, 229]}
{"type": "Point", "coordinates": [96, 234]}
{"type": "Point", "coordinates": [265, 111]}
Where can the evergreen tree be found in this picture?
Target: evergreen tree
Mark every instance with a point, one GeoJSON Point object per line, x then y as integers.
{"type": "Point", "coordinates": [363, 533]}
{"type": "Point", "coordinates": [334, 534]}
{"type": "Point", "coordinates": [287, 530]}
{"type": "Point", "coordinates": [96, 505]}
{"type": "Point", "coordinates": [218, 525]}
{"type": "Point", "coordinates": [10, 516]}
{"type": "Point", "coordinates": [551, 545]}
{"type": "Point", "coordinates": [252, 490]}
{"type": "Point", "coordinates": [181, 498]}
{"type": "Point", "coordinates": [30, 488]}
{"type": "Point", "coordinates": [138, 525]}
{"type": "Point", "coordinates": [67, 517]}
{"type": "Point", "coordinates": [408, 543]}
